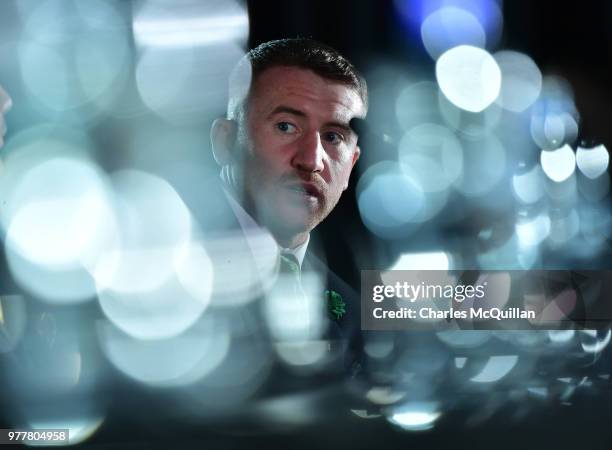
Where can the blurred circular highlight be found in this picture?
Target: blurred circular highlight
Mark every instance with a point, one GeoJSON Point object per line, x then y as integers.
{"type": "Point", "coordinates": [528, 186]}
{"type": "Point", "coordinates": [449, 27]}
{"type": "Point", "coordinates": [469, 77]}
{"type": "Point", "coordinates": [56, 210]}
{"type": "Point", "coordinates": [559, 164]}
{"type": "Point", "coordinates": [484, 165]}
{"type": "Point", "coordinates": [592, 162]}
{"type": "Point", "coordinates": [58, 218]}
{"type": "Point", "coordinates": [521, 81]}
{"type": "Point", "coordinates": [153, 224]}
{"type": "Point", "coordinates": [177, 361]}
{"type": "Point", "coordinates": [74, 55]}
{"type": "Point", "coordinates": [415, 416]}
{"type": "Point", "coordinates": [434, 154]}
{"type": "Point", "coordinates": [388, 198]}
{"type": "Point", "coordinates": [417, 104]}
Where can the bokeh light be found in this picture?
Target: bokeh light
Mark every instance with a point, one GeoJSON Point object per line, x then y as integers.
{"type": "Point", "coordinates": [158, 24]}
{"type": "Point", "coordinates": [169, 80]}
{"type": "Point", "coordinates": [552, 129]}
{"type": "Point", "coordinates": [416, 104]}
{"type": "Point", "coordinates": [495, 369]}
{"type": "Point", "coordinates": [295, 316]}
{"type": "Point", "coordinates": [413, 14]}
{"type": "Point", "coordinates": [163, 311]}
{"type": "Point", "coordinates": [532, 231]}
{"type": "Point", "coordinates": [558, 164]}
{"type": "Point", "coordinates": [509, 255]}
{"type": "Point", "coordinates": [592, 162]}
{"type": "Point", "coordinates": [422, 261]}
{"type": "Point", "coordinates": [56, 213]}
{"type": "Point", "coordinates": [595, 341]}
{"type": "Point", "coordinates": [183, 49]}
{"type": "Point", "coordinates": [388, 197]}
{"type": "Point", "coordinates": [450, 27]}
{"type": "Point", "coordinates": [554, 118]}
{"type": "Point", "coordinates": [464, 339]}
{"type": "Point", "coordinates": [469, 77]}
{"type": "Point", "coordinates": [529, 185]}
{"type": "Point", "coordinates": [80, 428]}
{"type": "Point", "coordinates": [194, 270]}
{"type": "Point", "coordinates": [433, 154]}
{"type": "Point", "coordinates": [303, 356]}
{"type": "Point", "coordinates": [564, 228]}
{"type": "Point", "coordinates": [172, 362]}
{"type": "Point", "coordinates": [484, 165]}
{"type": "Point", "coordinates": [142, 284]}
{"type": "Point", "coordinates": [521, 80]}
{"type": "Point", "coordinates": [470, 123]}
{"type": "Point", "coordinates": [153, 223]}
{"type": "Point", "coordinates": [57, 206]}
{"type": "Point", "coordinates": [415, 416]}
{"type": "Point", "coordinates": [74, 55]}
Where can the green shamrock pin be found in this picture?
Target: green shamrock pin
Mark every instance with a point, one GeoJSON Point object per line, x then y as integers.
{"type": "Point", "coordinates": [335, 305]}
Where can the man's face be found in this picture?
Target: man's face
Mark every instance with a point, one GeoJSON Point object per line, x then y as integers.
{"type": "Point", "coordinates": [298, 151]}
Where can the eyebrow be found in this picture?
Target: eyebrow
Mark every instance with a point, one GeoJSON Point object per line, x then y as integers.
{"type": "Point", "coordinates": [296, 112]}
{"type": "Point", "coordinates": [287, 109]}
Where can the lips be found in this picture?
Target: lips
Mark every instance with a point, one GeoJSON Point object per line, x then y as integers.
{"type": "Point", "coordinates": [307, 189]}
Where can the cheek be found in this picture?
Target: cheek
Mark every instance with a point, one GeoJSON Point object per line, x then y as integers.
{"type": "Point", "coordinates": [273, 154]}
{"type": "Point", "coordinates": [341, 172]}
{"type": "Point", "coordinates": [268, 163]}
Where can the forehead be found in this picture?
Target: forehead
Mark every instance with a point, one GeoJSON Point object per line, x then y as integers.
{"type": "Point", "coordinates": [304, 90]}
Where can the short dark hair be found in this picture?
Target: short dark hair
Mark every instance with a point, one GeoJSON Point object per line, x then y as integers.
{"type": "Point", "coordinates": [297, 52]}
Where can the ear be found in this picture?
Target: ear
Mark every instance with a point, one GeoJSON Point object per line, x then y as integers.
{"type": "Point", "coordinates": [355, 158]}
{"type": "Point", "coordinates": [223, 140]}
{"type": "Point", "coordinates": [356, 155]}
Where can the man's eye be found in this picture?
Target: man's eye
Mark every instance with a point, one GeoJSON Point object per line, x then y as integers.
{"type": "Point", "coordinates": [333, 138]}
{"type": "Point", "coordinates": [286, 127]}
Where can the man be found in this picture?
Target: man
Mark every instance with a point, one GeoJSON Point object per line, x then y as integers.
{"type": "Point", "coordinates": [287, 148]}
{"type": "Point", "coordinates": [286, 151]}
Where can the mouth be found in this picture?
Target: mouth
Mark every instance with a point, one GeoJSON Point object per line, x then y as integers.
{"type": "Point", "coordinates": [306, 190]}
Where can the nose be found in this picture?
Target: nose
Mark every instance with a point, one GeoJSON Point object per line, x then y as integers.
{"type": "Point", "coordinates": [309, 154]}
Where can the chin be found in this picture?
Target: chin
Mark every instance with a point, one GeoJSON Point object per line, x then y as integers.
{"type": "Point", "coordinates": [292, 224]}
{"type": "Point", "coordinates": [287, 217]}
